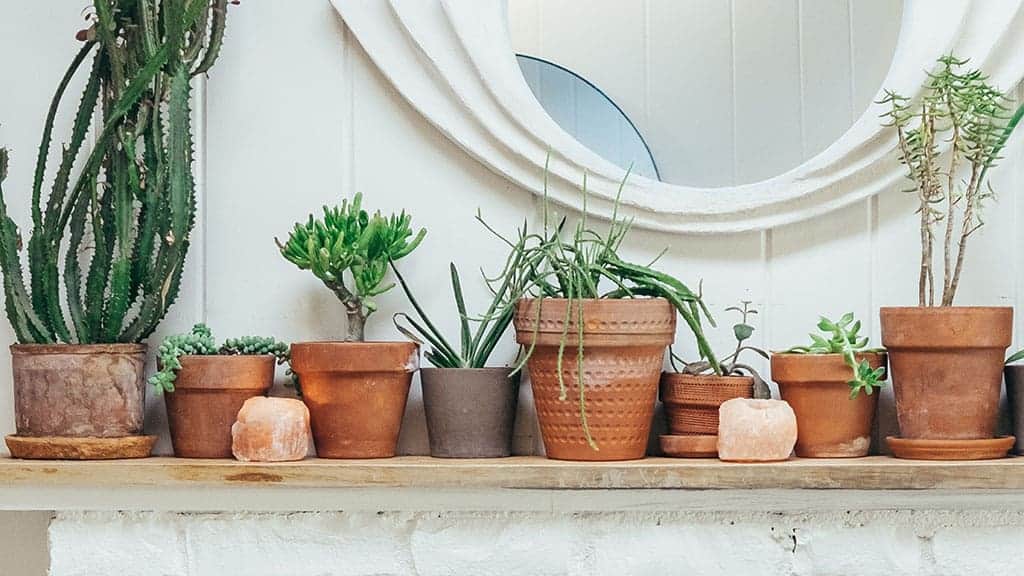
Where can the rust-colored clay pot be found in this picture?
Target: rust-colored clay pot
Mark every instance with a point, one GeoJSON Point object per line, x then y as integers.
{"type": "Point", "coordinates": [208, 393]}
{"type": "Point", "coordinates": [356, 394]}
{"type": "Point", "coordinates": [946, 369]}
{"type": "Point", "coordinates": [78, 391]}
{"type": "Point", "coordinates": [624, 343]}
{"type": "Point", "coordinates": [691, 401]}
{"type": "Point", "coordinates": [829, 423]}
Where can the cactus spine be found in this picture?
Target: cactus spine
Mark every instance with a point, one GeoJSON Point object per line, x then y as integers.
{"type": "Point", "coordinates": [121, 228]}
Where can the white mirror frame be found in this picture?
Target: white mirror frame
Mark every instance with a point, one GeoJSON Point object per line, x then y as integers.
{"type": "Point", "coordinates": [453, 61]}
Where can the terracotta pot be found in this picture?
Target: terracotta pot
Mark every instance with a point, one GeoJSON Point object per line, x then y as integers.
{"type": "Point", "coordinates": [208, 393]}
{"type": "Point", "coordinates": [356, 394]}
{"type": "Point", "coordinates": [946, 369]}
{"type": "Point", "coordinates": [470, 411]}
{"type": "Point", "coordinates": [829, 423]}
{"type": "Point", "coordinates": [625, 344]}
{"type": "Point", "coordinates": [79, 390]}
{"type": "Point", "coordinates": [1015, 398]}
{"type": "Point", "coordinates": [691, 402]}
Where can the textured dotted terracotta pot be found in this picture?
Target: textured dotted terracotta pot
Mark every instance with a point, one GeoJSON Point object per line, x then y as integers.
{"type": "Point", "coordinates": [624, 344]}
{"type": "Point", "coordinates": [691, 402]}
{"type": "Point", "coordinates": [356, 394]}
{"type": "Point", "coordinates": [830, 424]}
{"type": "Point", "coordinates": [947, 369]}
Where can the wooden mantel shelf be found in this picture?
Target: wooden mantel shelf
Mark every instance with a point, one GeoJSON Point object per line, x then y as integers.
{"type": "Point", "coordinates": [525, 473]}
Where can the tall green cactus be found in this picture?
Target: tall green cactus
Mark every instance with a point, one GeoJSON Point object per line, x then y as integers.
{"type": "Point", "coordinates": [121, 228]}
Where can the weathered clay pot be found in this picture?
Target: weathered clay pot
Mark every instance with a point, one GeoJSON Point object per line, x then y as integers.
{"type": "Point", "coordinates": [208, 393]}
{"type": "Point", "coordinates": [470, 411]}
{"type": "Point", "coordinates": [829, 423]}
{"type": "Point", "coordinates": [79, 390]}
{"type": "Point", "coordinates": [691, 402]}
{"type": "Point", "coordinates": [1015, 397]}
{"type": "Point", "coordinates": [946, 369]}
{"type": "Point", "coordinates": [625, 344]}
{"type": "Point", "coordinates": [356, 394]}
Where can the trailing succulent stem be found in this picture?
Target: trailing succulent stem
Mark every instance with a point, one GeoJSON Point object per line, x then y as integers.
{"type": "Point", "coordinates": [842, 337]}
{"type": "Point", "coordinates": [959, 107]}
{"type": "Point", "coordinates": [350, 251]}
{"type": "Point", "coordinates": [200, 342]}
{"type": "Point", "coordinates": [584, 264]}
{"type": "Point", "coordinates": [121, 226]}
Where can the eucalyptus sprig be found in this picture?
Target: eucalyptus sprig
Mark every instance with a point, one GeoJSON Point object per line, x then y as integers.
{"type": "Point", "coordinates": [199, 342]}
{"type": "Point", "coordinates": [842, 337]}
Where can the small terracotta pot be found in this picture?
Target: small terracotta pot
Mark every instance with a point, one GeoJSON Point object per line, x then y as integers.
{"type": "Point", "coordinates": [356, 394]}
{"type": "Point", "coordinates": [66, 390]}
{"type": "Point", "coordinates": [208, 393]}
{"type": "Point", "coordinates": [829, 423]}
{"type": "Point", "coordinates": [1015, 398]}
{"type": "Point", "coordinates": [625, 344]}
{"type": "Point", "coordinates": [691, 402]}
{"type": "Point", "coordinates": [470, 411]}
{"type": "Point", "coordinates": [947, 368]}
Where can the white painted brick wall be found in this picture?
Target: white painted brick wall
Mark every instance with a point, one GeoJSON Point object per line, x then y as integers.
{"type": "Point", "coordinates": [922, 543]}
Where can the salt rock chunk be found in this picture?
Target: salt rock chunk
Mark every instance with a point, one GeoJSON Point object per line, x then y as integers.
{"type": "Point", "coordinates": [271, 430]}
{"type": "Point", "coordinates": [755, 430]}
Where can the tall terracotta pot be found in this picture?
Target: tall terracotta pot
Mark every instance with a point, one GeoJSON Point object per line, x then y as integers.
{"type": "Point", "coordinates": [947, 367]}
{"type": "Point", "coordinates": [692, 401]}
{"type": "Point", "coordinates": [78, 391]}
{"type": "Point", "coordinates": [624, 342]}
{"type": "Point", "coordinates": [829, 423]}
{"type": "Point", "coordinates": [470, 412]}
{"type": "Point", "coordinates": [208, 393]}
{"type": "Point", "coordinates": [356, 394]}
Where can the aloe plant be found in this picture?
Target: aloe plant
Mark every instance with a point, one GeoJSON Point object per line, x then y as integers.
{"type": "Point", "coordinates": [199, 341]}
{"type": "Point", "coordinates": [129, 211]}
{"type": "Point", "coordinates": [843, 337]}
{"type": "Point", "coordinates": [349, 251]}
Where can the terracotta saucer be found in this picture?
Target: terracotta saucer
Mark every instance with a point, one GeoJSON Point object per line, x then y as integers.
{"type": "Point", "coordinates": [983, 449]}
{"type": "Point", "coordinates": [696, 446]}
{"type": "Point", "coordinates": [64, 448]}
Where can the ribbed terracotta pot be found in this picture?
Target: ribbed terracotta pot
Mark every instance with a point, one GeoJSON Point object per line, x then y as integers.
{"type": "Point", "coordinates": [829, 423]}
{"type": "Point", "coordinates": [470, 412]}
{"type": "Point", "coordinates": [1015, 398]}
{"type": "Point", "coordinates": [208, 393]}
{"type": "Point", "coordinates": [79, 391]}
{"type": "Point", "coordinates": [624, 343]}
{"type": "Point", "coordinates": [356, 394]}
{"type": "Point", "coordinates": [691, 401]}
{"type": "Point", "coordinates": [946, 369]}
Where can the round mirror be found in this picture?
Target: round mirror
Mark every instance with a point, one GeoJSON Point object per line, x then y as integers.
{"type": "Point", "coordinates": [723, 92]}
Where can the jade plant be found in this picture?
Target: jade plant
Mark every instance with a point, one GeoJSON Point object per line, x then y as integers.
{"type": "Point", "coordinates": [199, 342]}
{"type": "Point", "coordinates": [110, 237]}
{"type": "Point", "coordinates": [842, 337]}
{"type": "Point", "coordinates": [350, 250]}
{"type": "Point", "coordinates": [731, 364]}
{"type": "Point", "coordinates": [959, 108]}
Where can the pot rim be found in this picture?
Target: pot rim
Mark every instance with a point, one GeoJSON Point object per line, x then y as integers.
{"type": "Point", "coordinates": [77, 349]}
{"type": "Point", "coordinates": [671, 374]}
{"type": "Point", "coordinates": [942, 309]}
{"type": "Point", "coordinates": [484, 370]}
{"type": "Point", "coordinates": [350, 343]}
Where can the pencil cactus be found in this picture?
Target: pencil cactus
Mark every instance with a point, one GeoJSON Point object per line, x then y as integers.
{"type": "Point", "coordinates": [117, 234]}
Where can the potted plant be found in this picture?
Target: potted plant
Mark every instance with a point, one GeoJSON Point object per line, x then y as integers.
{"type": "Point", "coordinates": [205, 386]}
{"type": "Point", "coordinates": [830, 385]}
{"type": "Point", "coordinates": [693, 393]}
{"type": "Point", "coordinates": [947, 361]}
{"type": "Point", "coordinates": [355, 390]}
{"type": "Point", "coordinates": [594, 328]}
{"type": "Point", "coordinates": [470, 408]}
{"type": "Point", "coordinates": [108, 242]}
{"type": "Point", "coordinates": [1014, 373]}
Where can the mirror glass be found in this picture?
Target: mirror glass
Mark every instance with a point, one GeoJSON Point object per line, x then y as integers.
{"type": "Point", "coordinates": [723, 92]}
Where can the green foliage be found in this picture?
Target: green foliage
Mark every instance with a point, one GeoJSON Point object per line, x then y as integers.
{"type": "Point", "coordinates": [842, 337]}
{"type": "Point", "coordinates": [587, 265]}
{"type": "Point", "coordinates": [1015, 357]}
{"type": "Point", "coordinates": [129, 212]}
{"type": "Point", "coordinates": [349, 251]}
{"type": "Point", "coordinates": [959, 107]}
{"type": "Point", "coordinates": [200, 342]}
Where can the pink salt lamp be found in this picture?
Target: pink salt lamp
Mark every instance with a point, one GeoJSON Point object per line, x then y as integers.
{"type": "Point", "coordinates": [271, 430]}
{"type": "Point", "coordinates": [755, 430]}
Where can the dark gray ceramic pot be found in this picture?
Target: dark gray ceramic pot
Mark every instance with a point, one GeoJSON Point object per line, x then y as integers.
{"type": "Point", "coordinates": [470, 411]}
{"type": "Point", "coordinates": [1015, 398]}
